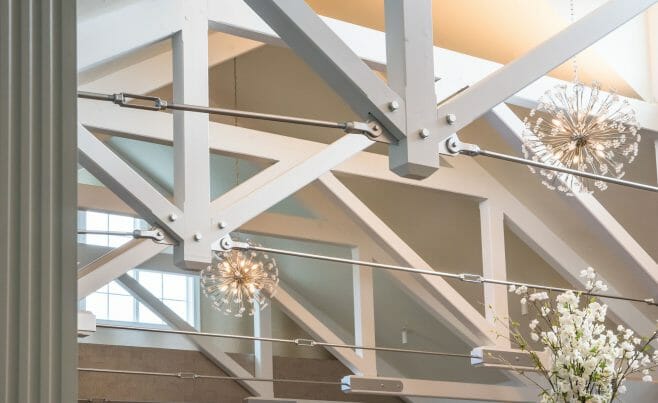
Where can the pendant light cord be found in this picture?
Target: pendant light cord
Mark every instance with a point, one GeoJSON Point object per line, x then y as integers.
{"type": "Point", "coordinates": [574, 61]}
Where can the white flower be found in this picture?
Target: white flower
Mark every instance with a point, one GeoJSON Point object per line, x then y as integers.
{"type": "Point", "coordinates": [538, 296]}
{"type": "Point", "coordinates": [534, 336]}
{"type": "Point", "coordinates": [512, 288]}
{"type": "Point", "coordinates": [533, 324]}
{"type": "Point", "coordinates": [647, 378]}
{"type": "Point", "coordinates": [622, 389]}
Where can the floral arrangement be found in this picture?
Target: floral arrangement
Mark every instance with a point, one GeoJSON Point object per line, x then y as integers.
{"type": "Point", "coordinates": [587, 362]}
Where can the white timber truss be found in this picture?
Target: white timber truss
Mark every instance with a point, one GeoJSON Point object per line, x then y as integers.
{"type": "Point", "coordinates": [344, 55]}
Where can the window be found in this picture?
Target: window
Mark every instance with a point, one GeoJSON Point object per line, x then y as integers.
{"type": "Point", "coordinates": [112, 302]}
{"type": "Point", "coordinates": [97, 221]}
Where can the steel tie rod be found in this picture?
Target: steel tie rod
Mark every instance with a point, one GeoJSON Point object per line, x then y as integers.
{"type": "Point", "coordinates": [371, 129]}
{"type": "Point", "coordinates": [457, 147]}
{"type": "Point", "coordinates": [227, 244]}
{"type": "Point", "coordinates": [192, 375]}
{"type": "Point", "coordinates": [298, 342]}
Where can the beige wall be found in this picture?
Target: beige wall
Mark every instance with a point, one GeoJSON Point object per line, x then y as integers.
{"type": "Point", "coordinates": [144, 388]}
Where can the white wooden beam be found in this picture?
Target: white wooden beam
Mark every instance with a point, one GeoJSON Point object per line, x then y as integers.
{"type": "Point", "coordinates": [454, 70]}
{"type": "Point", "coordinates": [306, 34]}
{"type": "Point", "coordinates": [364, 314]}
{"type": "Point", "coordinates": [115, 263]}
{"type": "Point", "coordinates": [410, 73]}
{"type": "Point", "coordinates": [204, 344]}
{"type": "Point", "coordinates": [268, 194]}
{"type": "Point", "coordinates": [263, 358]}
{"type": "Point", "coordinates": [302, 312]}
{"type": "Point", "coordinates": [459, 314]}
{"type": "Point", "coordinates": [191, 152]}
{"type": "Point", "coordinates": [492, 229]}
{"type": "Point", "coordinates": [157, 71]}
{"type": "Point", "coordinates": [508, 80]}
{"type": "Point", "coordinates": [130, 186]}
{"type": "Point", "coordinates": [109, 35]}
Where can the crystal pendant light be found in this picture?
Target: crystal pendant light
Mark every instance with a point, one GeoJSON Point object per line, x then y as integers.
{"type": "Point", "coordinates": [582, 128]}
{"type": "Point", "coordinates": [239, 280]}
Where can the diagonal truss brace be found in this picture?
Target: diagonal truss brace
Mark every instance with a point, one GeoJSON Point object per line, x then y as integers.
{"type": "Point", "coordinates": [513, 77]}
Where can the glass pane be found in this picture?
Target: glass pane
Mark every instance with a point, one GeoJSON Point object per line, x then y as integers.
{"type": "Point", "coordinates": [116, 241]}
{"type": "Point", "coordinates": [116, 288]}
{"type": "Point", "coordinates": [147, 316]}
{"type": "Point", "coordinates": [121, 307]}
{"type": "Point", "coordinates": [95, 239]}
{"type": "Point", "coordinates": [174, 286]}
{"type": "Point", "coordinates": [103, 289]}
{"type": "Point", "coordinates": [97, 304]}
{"type": "Point", "coordinates": [95, 221]}
{"type": "Point", "coordinates": [180, 307]}
{"type": "Point", "coordinates": [152, 281]}
{"type": "Point", "coordinates": [121, 223]}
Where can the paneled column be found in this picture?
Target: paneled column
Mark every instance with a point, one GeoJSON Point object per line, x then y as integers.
{"type": "Point", "coordinates": [38, 349]}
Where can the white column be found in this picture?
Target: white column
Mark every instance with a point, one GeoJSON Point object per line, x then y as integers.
{"type": "Point", "coordinates": [38, 312]}
{"type": "Point", "coordinates": [263, 349]}
{"type": "Point", "coordinates": [494, 266]}
{"type": "Point", "coordinates": [364, 314]}
{"type": "Point", "coordinates": [191, 153]}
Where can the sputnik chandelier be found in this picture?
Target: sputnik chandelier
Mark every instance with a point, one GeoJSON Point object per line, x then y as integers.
{"type": "Point", "coordinates": [580, 128]}
{"type": "Point", "coordinates": [240, 281]}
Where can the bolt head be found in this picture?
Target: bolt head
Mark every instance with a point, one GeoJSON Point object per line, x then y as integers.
{"type": "Point", "coordinates": [198, 236]}
{"type": "Point", "coordinates": [424, 133]}
{"type": "Point", "coordinates": [222, 225]}
{"type": "Point", "coordinates": [173, 217]}
{"type": "Point", "coordinates": [451, 118]}
{"type": "Point", "coordinates": [393, 106]}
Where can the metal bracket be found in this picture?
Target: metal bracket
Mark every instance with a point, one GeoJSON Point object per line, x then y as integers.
{"type": "Point", "coordinates": [454, 146]}
{"type": "Point", "coordinates": [187, 375]}
{"type": "Point", "coordinates": [470, 278]}
{"type": "Point", "coordinates": [226, 244]}
{"type": "Point", "coordinates": [155, 234]}
{"type": "Point", "coordinates": [372, 129]}
{"type": "Point", "coordinates": [122, 98]}
{"type": "Point", "coordinates": [305, 342]}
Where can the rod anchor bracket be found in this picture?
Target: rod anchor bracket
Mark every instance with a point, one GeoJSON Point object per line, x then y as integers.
{"type": "Point", "coordinates": [372, 129]}
{"type": "Point", "coordinates": [455, 146]}
{"type": "Point", "coordinates": [155, 234]}
{"type": "Point", "coordinates": [227, 244]}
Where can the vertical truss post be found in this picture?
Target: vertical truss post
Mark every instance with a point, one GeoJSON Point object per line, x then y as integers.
{"type": "Point", "coordinates": [494, 266]}
{"type": "Point", "coordinates": [364, 314]}
{"type": "Point", "coordinates": [191, 152]}
{"type": "Point", "coordinates": [263, 350]}
{"type": "Point", "coordinates": [410, 73]}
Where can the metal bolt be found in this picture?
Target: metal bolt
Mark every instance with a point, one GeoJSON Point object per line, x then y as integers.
{"type": "Point", "coordinates": [198, 236]}
{"type": "Point", "coordinates": [393, 106]}
{"type": "Point", "coordinates": [173, 217]}
{"type": "Point", "coordinates": [451, 118]}
{"type": "Point", "coordinates": [221, 225]}
{"type": "Point", "coordinates": [424, 133]}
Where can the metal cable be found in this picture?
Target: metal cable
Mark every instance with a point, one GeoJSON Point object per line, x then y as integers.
{"type": "Point", "coordinates": [518, 160]}
{"type": "Point", "coordinates": [191, 375]}
{"type": "Point", "coordinates": [161, 105]}
{"type": "Point", "coordinates": [466, 277]}
{"type": "Point", "coordinates": [297, 342]}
